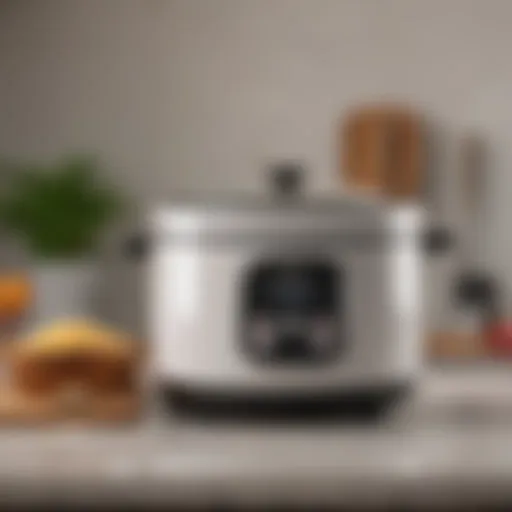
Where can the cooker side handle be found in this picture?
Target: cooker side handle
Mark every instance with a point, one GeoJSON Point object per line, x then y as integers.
{"type": "Point", "coordinates": [136, 247]}
{"type": "Point", "coordinates": [438, 240]}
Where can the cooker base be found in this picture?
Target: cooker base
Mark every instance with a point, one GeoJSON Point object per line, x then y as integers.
{"type": "Point", "coordinates": [361, 405]}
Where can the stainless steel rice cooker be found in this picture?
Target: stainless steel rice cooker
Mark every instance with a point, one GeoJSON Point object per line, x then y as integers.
{"type": "Point", "coordinates": [286, 298]}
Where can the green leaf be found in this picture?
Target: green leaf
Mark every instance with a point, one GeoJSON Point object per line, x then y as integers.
{"type": "Point", "coordinates": [59, 210]}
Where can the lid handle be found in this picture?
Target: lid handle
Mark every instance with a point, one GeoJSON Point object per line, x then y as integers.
{"type": "Point", "coordinates": [287, 178]}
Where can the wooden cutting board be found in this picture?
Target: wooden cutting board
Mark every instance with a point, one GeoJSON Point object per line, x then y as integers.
{"type": "Point", "coordinates": [17, 408]}
{"type": "Point", "coordinates": [455, 346]}
{"type": "Point", "coordinates": [382, 151]}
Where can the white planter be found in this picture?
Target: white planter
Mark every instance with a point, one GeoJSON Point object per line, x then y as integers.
{"type": "Point", "coordinates": [62, 290]}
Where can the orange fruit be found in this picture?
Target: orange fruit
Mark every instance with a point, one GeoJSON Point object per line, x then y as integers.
{"type": "Point", "coordinates": [15, 296]}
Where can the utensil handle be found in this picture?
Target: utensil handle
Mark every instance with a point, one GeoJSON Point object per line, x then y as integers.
{"type": "Point", "coordinates": [472, 184]}
{"type": "Point", "coordinates": [472, 174]}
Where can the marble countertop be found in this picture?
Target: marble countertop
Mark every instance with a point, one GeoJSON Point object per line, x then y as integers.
{"type": "Point", "coordinates": [454, 444]}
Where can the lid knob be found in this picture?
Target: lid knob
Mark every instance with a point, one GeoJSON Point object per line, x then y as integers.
{"type": "Point", "coordinates": [287, 178]}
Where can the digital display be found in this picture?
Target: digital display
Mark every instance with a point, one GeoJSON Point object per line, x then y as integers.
{"type": "Point", "coordinates": [293, 311]}
{"type": "Point", "coordinates": [292, 290]}
{"type": "Point", "coordinates": [300, 288]}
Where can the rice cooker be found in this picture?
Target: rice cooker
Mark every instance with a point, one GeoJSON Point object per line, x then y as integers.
{"type": "Point", "coordinates": [285, 298]}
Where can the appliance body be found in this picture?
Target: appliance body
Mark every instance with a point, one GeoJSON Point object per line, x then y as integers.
{"type": "Point", "coordinates": [279, 300]}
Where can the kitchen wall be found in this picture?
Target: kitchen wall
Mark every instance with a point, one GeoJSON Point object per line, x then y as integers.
{"type": "Point", "coordinates": [200, 94]}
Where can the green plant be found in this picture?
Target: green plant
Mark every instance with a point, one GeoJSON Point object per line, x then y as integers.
{"type": "Point", "coordinates": [60, 209]}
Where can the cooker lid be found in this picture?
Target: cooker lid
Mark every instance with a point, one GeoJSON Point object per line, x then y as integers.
{"type": "Point", "coordinates": [284, 210]}
{"type": "Point", "coordinates": [256, 215]}
{"type": "Point", "coordinates": [285, 194]}
{"type": "Point", "coordinates": [254, 204]}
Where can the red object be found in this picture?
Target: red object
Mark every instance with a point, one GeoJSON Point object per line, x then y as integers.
{"type": "Point", "coordinates": [498, 337]}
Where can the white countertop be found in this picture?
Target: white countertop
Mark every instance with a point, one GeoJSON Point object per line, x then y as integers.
{"type": "Point", "coordinates": [432, 452]}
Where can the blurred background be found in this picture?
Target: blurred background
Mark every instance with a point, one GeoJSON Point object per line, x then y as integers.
{"type": "Point", "coordinates": [174, 96]}
{"type": "Point", "coordinates": [199, 95]}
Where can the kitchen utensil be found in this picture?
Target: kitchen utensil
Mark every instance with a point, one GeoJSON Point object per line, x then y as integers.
{"type": "Point", "coordinates": [478, 289]}
{"type": "Point", "coordinates": [475, 289]}
{"type": "Point", "coordinates": [382, 150]}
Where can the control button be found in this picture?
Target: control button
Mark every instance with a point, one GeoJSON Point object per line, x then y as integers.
{"type": "Point", "coordinates": [293, 349]}
{"type": "Point", "coordinates": [292, 325]}
{"type": "Point", "coordinates": [262, 333]}
{"type": "Point", "coordinates": [322, 333]}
